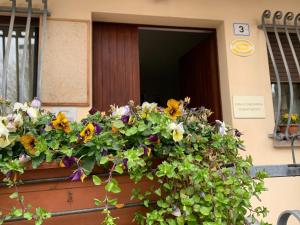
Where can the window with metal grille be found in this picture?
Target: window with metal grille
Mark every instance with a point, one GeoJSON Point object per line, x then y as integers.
{"type": "Point", "coordinates": [285, 93]}
{"type": "Point", "coordinates": [15, 56]}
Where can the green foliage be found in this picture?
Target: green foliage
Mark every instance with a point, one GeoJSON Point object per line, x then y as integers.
{"type": "Point", "coordinates": [200, 177]}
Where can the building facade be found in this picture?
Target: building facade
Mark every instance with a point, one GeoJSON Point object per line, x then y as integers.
{"type": "Point", "coordinates": [68, 66]}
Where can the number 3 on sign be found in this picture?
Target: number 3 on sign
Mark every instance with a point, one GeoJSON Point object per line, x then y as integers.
{"type": "Point", "coordinates": [241, 29]}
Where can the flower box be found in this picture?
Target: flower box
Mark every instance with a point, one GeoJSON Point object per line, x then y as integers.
{"type": "Point", "coordinates": [67, 195]}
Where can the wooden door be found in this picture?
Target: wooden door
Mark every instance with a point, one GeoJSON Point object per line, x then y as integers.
{"type": "Point", "coordinates": [199, 76]}
{"type": "Point", "coordinates": [116, 78]}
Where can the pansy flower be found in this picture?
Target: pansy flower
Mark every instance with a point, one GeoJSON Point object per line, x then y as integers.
{"type": "Point", "coordinates": [147, 151]}
{"type": "Point", "coordinates": [68, 162]}
{"type": "Point", "coordinates": [174, 109]}
{"type": "Point", "coordinates": [29, 141]}
{"type": "Point", "coordinates": [61, 122]}
{"type": "Point", "coordinates": [153, 138]}
{"type": "Point", "coordinates": [78, 175]}
{"type": "Point", "coordinates": [93, 111]}
{"type": "Point", "coordinates": [148, 108]}
{"type": "Point", "coordinates": [177, 131]}
{"type": "Point", "coordinates": [87, 133]}
{"type": "Point", "coordinates": [98, 128]}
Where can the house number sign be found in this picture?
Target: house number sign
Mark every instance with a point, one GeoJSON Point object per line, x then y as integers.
{"type": "Point", "coordinates": [241, 29]}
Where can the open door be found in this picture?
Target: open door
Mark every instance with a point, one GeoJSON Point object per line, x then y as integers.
{"type": "Point", "coordinates": [199, 76]}
{"type": "Point", "coordinates": [116, 78]}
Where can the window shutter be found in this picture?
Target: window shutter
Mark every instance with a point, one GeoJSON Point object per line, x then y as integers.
{"type": "Point", "coordinates": [288, 55]}
{"type": "Point", "coordinates": [116, 78]}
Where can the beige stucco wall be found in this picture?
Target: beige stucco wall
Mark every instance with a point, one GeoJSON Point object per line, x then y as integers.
{"type": "Point", "coordinates": [238, 75]}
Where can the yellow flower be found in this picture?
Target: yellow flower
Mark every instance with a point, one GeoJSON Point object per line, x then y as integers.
{"type": "Point", "coordinates": [61, 122]}
{"type": "Point", "coordinates": [173, 109]}
{"type": "Point", "coordinates": [177, 131]}
{"type": "Point", "coordinates": [29, 141]}
{"type": "Point", "coordinates": [87, 133]}
{"type": "Point", "coordinates": [114, 129]}
{"type": "Point", "coordinates": [294, 118]}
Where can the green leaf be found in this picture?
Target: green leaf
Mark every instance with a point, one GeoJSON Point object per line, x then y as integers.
{"type": "Point", "coordinates": [119, 169]}
{"type": "Point", "coordinates": [37, 160]}
{"type": "Point", "coordinates": [96, 180]}
{"type": "Point", "coordinates": [103, 160]}
{"type": "Point", "coordinates": [205, 210]}
{"type": "Point", "coordinates": [131, 131]}
{"type": "Point", "coordinates": [97, 202]}
{"type": "Point", "coordinates": [118, 124]}
{"type": "Point", "coordinates": [113, 201]}
{"type": "Point", "coordinates": [28, 215]}
{"type": "Point", "coordinates": [113, 186]}
{"type": "Point", "coordinates": [88, 165]}
{"type": "Point", "coordinates": [158, 192]}
{"type": "Point", "coordinates": [14, 195]}
{"type": "Point", "coordinates": [16, 212]}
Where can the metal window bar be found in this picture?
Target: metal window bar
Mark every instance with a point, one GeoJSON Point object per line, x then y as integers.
{"type": "Point", "coordinates": [7, 50]}
{"type": "Point", "coordinates": [26, 63]}
{"type": "Point", "coordinates": [286, 24]}
{"type": "Point", "coordinates": [40, 61]}
{"type": "Point", "coordinates": [25, 51]}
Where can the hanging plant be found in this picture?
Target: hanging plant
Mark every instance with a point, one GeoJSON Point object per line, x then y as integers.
{"type": "Point", "coordinates": [201, 177]}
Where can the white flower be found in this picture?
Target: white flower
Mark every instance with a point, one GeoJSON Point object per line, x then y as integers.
{"type": "Point", "coordinates": [177, 131]}
{"type": "Point", "coordinates": [121, 111]}
{"type": "Point", "coordinates": [19, 106]}
{"type": "Point", "coordinates": [36, 103]}
{"type": "Point", "coordinates": [33, 113]}
{"type": "Point", "coordinates": [4, 139]}
{"type": "Point", "coordinates": [176, 212]}
{"type": "Point", "coordinates": [4, 132]}
{"type": "Point", "coordinates": [18, 121]}
{"type": "Point", "coordinates": [222, 127]}
{"type": "Point", "coordinates": [23, 158]}
{"type": "Point", "coordinates": [147, 108]}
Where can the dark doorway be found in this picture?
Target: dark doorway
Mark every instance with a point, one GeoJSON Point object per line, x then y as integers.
{"type": "Point", "coordinates": [154, 64]}
{"type": "Point", "coordinates": [175, 63]}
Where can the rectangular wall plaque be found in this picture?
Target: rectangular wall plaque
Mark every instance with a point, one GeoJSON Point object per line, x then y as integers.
{"type": "Point", "coordinates": [247, 107]}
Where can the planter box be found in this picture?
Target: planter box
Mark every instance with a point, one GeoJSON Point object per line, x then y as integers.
{"type": "Point", "coordinates": [66, 195]}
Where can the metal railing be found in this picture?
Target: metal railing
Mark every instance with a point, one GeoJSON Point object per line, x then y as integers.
{"type": "Point", "coordinates": [29, 12]}
{"type": "Point", "coordinates": [287, 24]}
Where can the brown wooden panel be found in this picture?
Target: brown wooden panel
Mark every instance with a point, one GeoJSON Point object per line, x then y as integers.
{"type": "Point", "coordinates": [200, 76]}
{"type": "Point", "coordinates": [68, 195]}
{"type": "Point", "coordinates": [115, 65]}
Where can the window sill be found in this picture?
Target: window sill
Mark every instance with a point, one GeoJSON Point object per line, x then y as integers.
{"type": "Point", "coordinates": [285, 143]}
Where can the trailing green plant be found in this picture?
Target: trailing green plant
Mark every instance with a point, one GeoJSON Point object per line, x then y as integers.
{"type": "Point", "coordinates": [201, 177]}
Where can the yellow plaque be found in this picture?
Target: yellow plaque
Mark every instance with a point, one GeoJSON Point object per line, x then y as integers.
{"type": "Point", "coordinates": [242, 47]}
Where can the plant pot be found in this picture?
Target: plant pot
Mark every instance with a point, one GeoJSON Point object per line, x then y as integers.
{"type": "Point", "coordinates": [293, 129]}
{"type": "Point", "coordinates": [65, 195]}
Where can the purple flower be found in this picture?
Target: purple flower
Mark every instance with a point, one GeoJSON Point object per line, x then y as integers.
{"type": "Point", "coordinates": [92, 111]}
{"type": "Point", "coordinates": [9, 174]}
{"type": "Point", "coordinates": [80, 138]}
{"type": "Point", "coordinates": [153, 138]}
{"type": "Point", "coordinates": [77, 174]}
{"type": "Point", "coordinates": [124, 162]}
{"type": "Point", "coordinates": [125, 118]}
{"type": "Point", "coordinates": [98, 129]}
{"type": "Point", "coordinates": [69, 161]}
{"type": "Point", "coordinates": [104, 152]}
{"type": "Point", "coordinates": [237, 133]}
{"type": "Point", "coordinates": [147, 150]}
{"type": "Point", "coordinates": [36, 103]}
